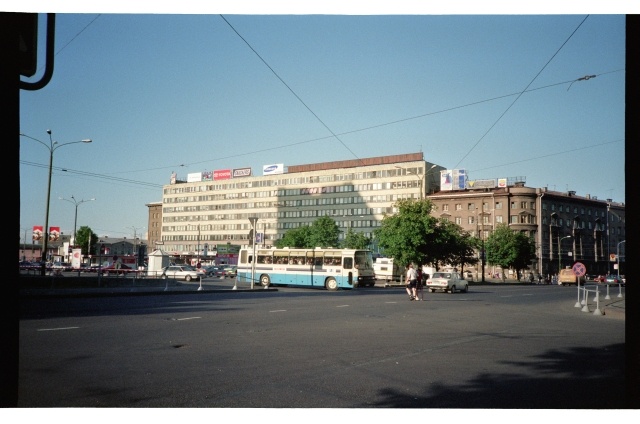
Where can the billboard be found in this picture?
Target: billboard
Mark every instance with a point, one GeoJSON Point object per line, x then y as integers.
{"type": "Point", "coordinates": [54, 233]}
{"type": "Point", "coordinates": [277, 168]}
{"type": "Point", "coordinates": [207, 176]}
{"type": "Point", "coordinates": [453, 179]}
{"type": "Point", "coordinates": [222, 174]}
{"type": "Point", "coordinates": [241, 172]}
{"type": "Point", "coordinates": [37, 233]}
{"type": "Point", "coordinates": [194, 177]}
{"type": "Point", "coordinates": [481, 183]}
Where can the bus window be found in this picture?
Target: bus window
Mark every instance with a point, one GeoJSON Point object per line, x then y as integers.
{"type": "Point", "coordinates": [281, 257]}
{"type": "Point", "coordinates": [348, 263]}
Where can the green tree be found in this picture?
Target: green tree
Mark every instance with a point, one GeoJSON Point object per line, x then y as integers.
{"type": "Point", "coordinates": [355, 240]}
{"type": "Point", "coordinates": [509, 249]}
{"type": "Point", "coordinates": [296, 237]}
{"type": "Point", "coordinates": [86, 239]}
{"type": "Point", "coordinates": [409, 235]}
{"type": "Point", "coordinates": [324, 233]}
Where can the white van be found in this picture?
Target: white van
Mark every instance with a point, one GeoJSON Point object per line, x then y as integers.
{"type": "Point", "coordinates": [389, 272]}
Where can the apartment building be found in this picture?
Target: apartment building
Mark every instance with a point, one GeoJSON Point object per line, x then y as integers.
{"type": "Point", "coordinates": [210, 213]}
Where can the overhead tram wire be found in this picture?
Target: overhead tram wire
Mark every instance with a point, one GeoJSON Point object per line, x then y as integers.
{"type": "Point", "coordinates": [94, 175]}
{"type": "Point", "coordinates": [334, 135]}
{"type": "Point", "coordinates": [522, 92]}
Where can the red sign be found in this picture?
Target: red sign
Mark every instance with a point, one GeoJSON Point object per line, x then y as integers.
{"type": "Point", "coordinates": [37, 232]}
{"type": "Point", "coordinates": [54, 233]}
{"type": "Point", "coordinates": [579, 269]}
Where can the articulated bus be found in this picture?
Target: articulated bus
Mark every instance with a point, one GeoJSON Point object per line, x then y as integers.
{"type": "Point", "coordinates": [332, 269]}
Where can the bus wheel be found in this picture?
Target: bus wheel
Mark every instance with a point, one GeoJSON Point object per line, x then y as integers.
{"type": "Point", "coordinates": [331, 284]}
{"type": "Point", "coordinates": [265, 280]}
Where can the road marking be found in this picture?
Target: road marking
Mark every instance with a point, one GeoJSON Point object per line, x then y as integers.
{"type": "Point", "coordinates": [184, 319]}
{"type": "Point", "coordinates": [56, 329]}
{"type": "Point", "coordinates": [279, 310]}
{"type": "Point", "coordinates": [342, 306]}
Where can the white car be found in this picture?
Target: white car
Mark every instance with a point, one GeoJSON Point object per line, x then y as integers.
{"type": "Point", "coordinates": [180, 272]}
{"type": "Point", "coordinates": [447, 281]}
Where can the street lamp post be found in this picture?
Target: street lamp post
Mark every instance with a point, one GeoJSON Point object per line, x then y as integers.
{"type": "Point", "coordinates": [253, 220]}
{"type": "Point", "coordinates": [75, 219]}
{"type": "Point", "coordinates": [52, 146]}
{"type": "Point", "coordinates": [560, 252]}
{"type": "Point", "coordinates": [618, 258]}
{"type": "Point", "coordinates": [135, 244]}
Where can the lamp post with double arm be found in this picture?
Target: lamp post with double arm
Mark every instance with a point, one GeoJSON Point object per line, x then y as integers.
{"type": "Point", "coordinates": [52, 147]}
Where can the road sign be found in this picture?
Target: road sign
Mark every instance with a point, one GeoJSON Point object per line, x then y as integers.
{"type": "Point", "coordinates": [579, 269]}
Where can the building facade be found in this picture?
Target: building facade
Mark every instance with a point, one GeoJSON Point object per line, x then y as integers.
{"type": "Point", "coordinates": [566, 228]}
{"type": "Point", "coordinates": [209, 215]}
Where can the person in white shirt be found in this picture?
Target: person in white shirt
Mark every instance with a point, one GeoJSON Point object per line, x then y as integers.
{"type": "Point", "coordinates": [411, 281]}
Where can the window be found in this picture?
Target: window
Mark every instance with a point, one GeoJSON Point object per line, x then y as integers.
{"type": "Point", "coordinates": [471, 219]}
{"type": "Point", "coordinates": [458, 220]}
{"type": "Point", "coordinates": [445, 207]}
{"type": "Point", "coordinates": [499, 219]}
{"type": "Point", "coordinates": [458, 206]}
{"type": "Point", "coordinates": [498, 205]}
{"type": "Point", "coordinates": [513, 205]}
{"type": "Point", "coordinates": [471, 206]}
{"type": "Point", "coordinates": [514, 219]}
{"type": "Point", "coordinates": [523, 205]}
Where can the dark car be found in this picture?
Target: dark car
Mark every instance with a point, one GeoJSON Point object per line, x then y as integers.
{"type": "Point", "coordinates": [614, 279]}
{"type": "Point", "coordinates": [116, 268]}
{"type": "Point", "coordinates": [214, 271]}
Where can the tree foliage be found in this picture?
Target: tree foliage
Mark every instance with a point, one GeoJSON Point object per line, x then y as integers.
{"type": "Point", "coordinates": [355, 240]}
{"type": "Point", "coordinates": [323, 232]}
{"type": "Point", "coordinates": [86, 239]}
{"type": "Point", "coordinates": [509, 249]}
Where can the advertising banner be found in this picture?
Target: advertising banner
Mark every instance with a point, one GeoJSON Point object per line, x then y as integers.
{"type": "Point", "coordinates": [54, 233]}
{"type": "Point", "coordinates": [194, 177]}
{"type": "Point", "coordinates": [277, 168]}
{"type": "Point", "coordinates": [76, 258]}
{"type": "Point", "coordinates": [37, 232]}
{"type": "Point", "coordinates": [446, 180]}
{"type": "Point", "coordinates": [241, 172]}
{"type": "Point", "coordinates": [222, 174]}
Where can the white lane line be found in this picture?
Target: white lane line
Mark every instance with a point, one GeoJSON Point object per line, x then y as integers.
{"type": "Point", "coordinates": [56, 329]}
{"type": "Point", "coordinates": [184, 319]}
{"type": "Point", "coordinates": [279, 310]}
{"type": "Point", "coordinates": [342, 306]}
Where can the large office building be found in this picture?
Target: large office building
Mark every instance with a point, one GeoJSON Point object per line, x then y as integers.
{"type": "Point", "coordinates": [209, 214]}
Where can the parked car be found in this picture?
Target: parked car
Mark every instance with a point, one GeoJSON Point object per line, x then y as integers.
{"type": "Point", "coordinates": [447, 281]}
{"type": "Point", "coordinates": [230, 271]}
{"type": "Point", "coordinates": [116, 268]}
{"type": "Point", "coordinates": [180, 272]}
{"type": "Point", "coordinates": [214, 271]}
{"type": "Point", "coordinates": [614, 279]}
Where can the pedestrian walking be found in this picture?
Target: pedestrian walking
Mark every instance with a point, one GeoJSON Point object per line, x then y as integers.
{"type": "Point", "coordinates": [419, 293]}
{"type": "Point", "coordinates": [411, 281]}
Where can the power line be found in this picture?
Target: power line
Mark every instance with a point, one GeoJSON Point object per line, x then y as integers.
{"type": "Point", "coordinates": [521, 93]}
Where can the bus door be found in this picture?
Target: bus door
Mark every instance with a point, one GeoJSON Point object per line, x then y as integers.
{"type": "Point", "coordinates": [347, 269]}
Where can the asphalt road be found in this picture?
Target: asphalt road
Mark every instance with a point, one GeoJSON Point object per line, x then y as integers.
{"type": "Point", "coordinates": [494, 347]}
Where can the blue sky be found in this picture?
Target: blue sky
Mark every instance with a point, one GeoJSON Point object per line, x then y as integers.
{"type": "Point", "coordinates": [159, 93]}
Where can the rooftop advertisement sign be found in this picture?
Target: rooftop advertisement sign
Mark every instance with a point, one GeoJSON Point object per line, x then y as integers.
{"type": "Point", "coordinates": [222, 174]}
{"type": "Point", "coordinates": [273, 169]}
